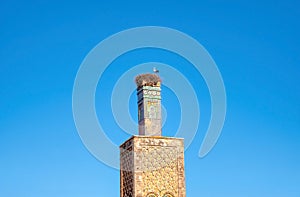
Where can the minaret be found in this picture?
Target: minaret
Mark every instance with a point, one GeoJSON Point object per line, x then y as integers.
{"type": "Point", "coordinates": [151, 165]}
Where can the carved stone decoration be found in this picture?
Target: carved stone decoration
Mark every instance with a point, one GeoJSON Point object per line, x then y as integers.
{"type": "Point", "coordinates": [126, 172]}
{"type": "Point", "coordinates": [149, 110]}
{"type": "Point", "coordinates": [151, 195]}
{"type": "Point", "coordinates": [158, 167]}
{"type": "Point", "coordinates": [151, 165]}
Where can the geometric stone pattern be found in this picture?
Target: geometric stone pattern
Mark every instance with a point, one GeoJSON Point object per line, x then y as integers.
{"type": "Point", "coordinates": [149, 110]}
{"type": "Point", "coordinates": [152, 166]}
{"type": "Point", "coordinates": [126, 171]}
{"type": "Point", "coordinates": [159, 164]}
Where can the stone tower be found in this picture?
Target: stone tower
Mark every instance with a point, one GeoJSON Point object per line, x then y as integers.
{"type": "Point", "coordinates": [151, 165]}
{"type": "Point", "coordinates": [149, 106]}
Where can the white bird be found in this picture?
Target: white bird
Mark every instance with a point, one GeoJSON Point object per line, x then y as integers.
{"type": "Point", "coordinates": [155, 70]}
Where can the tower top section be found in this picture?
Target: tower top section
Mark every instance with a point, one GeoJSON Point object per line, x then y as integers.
{"type": "Point", "coordinates": [147, 80]}
{"type": "Point", "coordinates": [149, 104]}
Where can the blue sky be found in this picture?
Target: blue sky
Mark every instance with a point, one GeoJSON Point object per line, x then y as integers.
{"type": "Point", "coordinates": [256, 48]}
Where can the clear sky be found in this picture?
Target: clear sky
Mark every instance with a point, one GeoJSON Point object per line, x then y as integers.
{"type": "Point", "coordinates": [254, 43]}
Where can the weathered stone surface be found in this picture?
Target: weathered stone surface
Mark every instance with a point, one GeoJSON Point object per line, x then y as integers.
{"type": "Point", "coordinates": [149, 111]}
{"type": "Point", "coordinates": [152, 167]}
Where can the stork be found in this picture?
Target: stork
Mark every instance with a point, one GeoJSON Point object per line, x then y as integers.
{"type": "Point", "coordinates": [155, 70]}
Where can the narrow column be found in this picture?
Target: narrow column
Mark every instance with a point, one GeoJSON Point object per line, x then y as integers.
{"type": "Point", "coordinates": [149, 104]}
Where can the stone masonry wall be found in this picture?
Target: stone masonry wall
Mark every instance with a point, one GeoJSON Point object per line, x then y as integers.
{"type": "Point", "coordinates": [157, 164]}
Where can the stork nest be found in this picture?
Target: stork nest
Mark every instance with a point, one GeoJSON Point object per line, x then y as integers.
{"type": "Point", "coordinates": [147, 80]}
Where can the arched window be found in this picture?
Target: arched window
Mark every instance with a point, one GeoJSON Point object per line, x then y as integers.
{"type": "Point", "coordinates": [168, 195]}
{"type": "Point", "coordinates": [151, 195]}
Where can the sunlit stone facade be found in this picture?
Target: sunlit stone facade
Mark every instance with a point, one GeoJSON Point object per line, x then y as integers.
{"type": "Point", "coordinates": [151, 165]}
